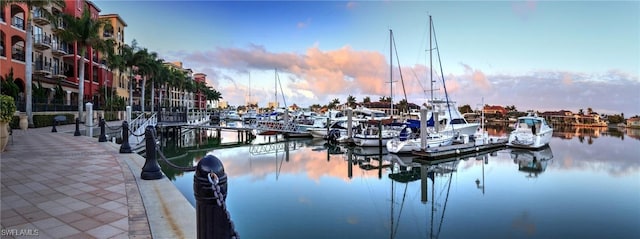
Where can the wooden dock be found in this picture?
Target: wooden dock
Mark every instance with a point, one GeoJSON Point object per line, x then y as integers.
{"type": "Point", "coordinates": [459, 150]}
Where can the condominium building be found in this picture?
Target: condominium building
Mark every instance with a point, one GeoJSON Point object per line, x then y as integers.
{"type": "Point", "coordinates": [55, 62]}
{"type": "Point", "coordinates": [114, 29]}
{"type": "Point", "coordinates": [178, 97]}
{"type": "Point", "coordinates": [200, 101]}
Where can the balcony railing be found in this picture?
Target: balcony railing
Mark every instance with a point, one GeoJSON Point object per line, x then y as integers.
{"type": "Point", "coordinates": [60, 25]}
{"type": "Point", "coordinates": [17, 22]}
{"type": "Point", "coordinates": [18, 54]}
{"type": "Point", "coordinates": [59, 49]}
{"type": "Point", "coordinates": [39, 17]}
{"type": "Point", "coordinates": [42, 68]}
{"type": "Point", "coordinates": [41, 41]}
{"type": "Point", "coordinates": [107, 34]}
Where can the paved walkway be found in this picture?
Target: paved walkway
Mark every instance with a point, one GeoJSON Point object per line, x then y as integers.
{"type": "Point", "coordinates": [56, 185]}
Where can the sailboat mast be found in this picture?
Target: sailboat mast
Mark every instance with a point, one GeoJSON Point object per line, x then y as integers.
{"type": "Point", "coordinates": [275, 86]}
{"type": "Point", "coordinates": [391, 69]}
{"type": "Point", "coordinates": [430, 58]}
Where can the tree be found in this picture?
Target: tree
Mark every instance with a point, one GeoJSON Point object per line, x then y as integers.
{"type": "Point", "coordinates": [385, 99]}
{"type": "Point", "coordinates": [366, 99]}
{"type": "Point", "coordinates": [581, 112]}
{"type": "Point", "coordinates": [9, 87]}
{"type": "Point", "coordinates": [465, 109]}
{"type": "Point", "coordinates": [351, 101]}
{"type": "Point", "coordinates": [334, 103]}
{"type": "Point", "coordinates": [84, 31]}
{"type": "Point", "coordinates": [403, 105]}
{"type": "Point", "coordinates": [39, 7]}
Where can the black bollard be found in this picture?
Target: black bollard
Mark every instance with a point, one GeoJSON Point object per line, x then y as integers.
{"type": "Point", "coordinates": [77, 133]}
{"type": "Point", "coordinates": [54, 130]}
{"type": "Point", "coordinates": [212, 220]}
{"type": "Point", "coordinates": [103, 134]}
{"type": "Point", "coordinates": [151, 169]}
{"type": "Point", "coordinates": [125, 148]}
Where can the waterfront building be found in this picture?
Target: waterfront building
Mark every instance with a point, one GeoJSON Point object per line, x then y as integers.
{"type": "Point", "coordinates": [115, 29]}
{"type": "Point", "coordinates": [494, 110]}
{"type": "Point", "coordinates": [633, 122]}
{"type": "Point", "coordinates": [200, 100]}
{"type": "Point", "coordinates": [565, 117]}
{"type": "Point", "coordinates": [178, 97]}
{"type": "Point", "coordinates": [54, 61]}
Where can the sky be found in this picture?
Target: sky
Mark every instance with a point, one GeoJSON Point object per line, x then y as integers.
{"type": "Point", "coordinates": [535, 55]}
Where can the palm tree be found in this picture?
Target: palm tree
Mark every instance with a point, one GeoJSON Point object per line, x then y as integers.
{"type": "Point", "coordinates": [366, 99]}
{"type": "Point", "coordinates": [351, 101]}
{"type": "Point", "coordinates": [40, 6]}
{"type": "Point", "coordinates": [84, 31]}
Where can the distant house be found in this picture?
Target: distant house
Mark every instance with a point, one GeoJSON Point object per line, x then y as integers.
{"type": "Point", "coordinates": [633, 122]}
{"type": "Point", "coordinates": [564, 117]}
{"type": "Point", "coordinates": [494, 110]}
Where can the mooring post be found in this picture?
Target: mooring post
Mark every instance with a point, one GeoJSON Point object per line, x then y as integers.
{"type": "Point", "coordinates": [103, 134]}
{"type": "Point", "coordinates": [77, 133]}
{"type": "Point", "coordinates": [125, 148]}
{"type": "Point", "coordinates": [151, 168]}
{"type": "Point", "coordinates": [212, 219]}
{"type": "Point", "coordinates": [89, 119]}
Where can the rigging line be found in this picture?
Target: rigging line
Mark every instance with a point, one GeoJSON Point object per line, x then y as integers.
{"type": "Point", "coordinates": [446, 95]}
{"type": "Point", "coordinates": [445, 205]}
{"type": "Point", "coordinates": [404, 196]}
{"type": "Point", "coordinates": [281, 91]}
{"type": "Point", "coordinates": [395, 47]}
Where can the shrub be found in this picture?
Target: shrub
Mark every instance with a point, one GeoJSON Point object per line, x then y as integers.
{"type": "Point", "coordinates": [7, 108]}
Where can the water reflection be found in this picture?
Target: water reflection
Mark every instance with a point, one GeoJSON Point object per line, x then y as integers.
{"type": "Point", "coordinates": [532, 162]}
{"type": "Point", "coordinates": [310, 189]}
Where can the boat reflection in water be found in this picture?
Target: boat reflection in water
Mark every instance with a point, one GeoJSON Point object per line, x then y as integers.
{"type": "Point", "coordinates": [532, 162]}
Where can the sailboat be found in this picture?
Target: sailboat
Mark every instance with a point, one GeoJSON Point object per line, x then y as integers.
{"type": "Point", "coordinates": [408, 140]}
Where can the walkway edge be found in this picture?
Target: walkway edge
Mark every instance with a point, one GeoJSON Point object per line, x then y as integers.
{"type": "Point", "coordinates": [170, 214]}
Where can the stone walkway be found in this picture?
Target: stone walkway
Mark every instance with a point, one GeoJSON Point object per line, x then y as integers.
{"type": "Point", "coordinates": [56, 185]}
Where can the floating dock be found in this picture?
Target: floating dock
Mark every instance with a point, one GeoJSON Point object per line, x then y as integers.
{"type": "Point", "coordinates": [460, 150]}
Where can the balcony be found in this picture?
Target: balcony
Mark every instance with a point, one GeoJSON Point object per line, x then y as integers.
{"type": "Point", "coordinates": [59, 26]}
{"type": "Point", "coordinates": [39, 17]}
{"type": "Point", "coordinates": [17, 54]}
{"type": "Point", "coordinates": [107, 35]}
{"type": "Point", "coordinates": [41, 42]}
{"type": "Point", "coordinates": [59, 49]}
{"type": "Point", "coordinates": [58, 73]}
{"type": "Point", "coordinates": [17, 22]}
{"type": "Point", "coordinates": [41, 68]}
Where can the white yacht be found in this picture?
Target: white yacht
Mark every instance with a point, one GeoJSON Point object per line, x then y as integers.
{"type": "Point", "coordinates": [531, 132]}
{"type": "Point", "coordinates": [408, 141]}
{"type": "Point", "coordinates": [449, 118]}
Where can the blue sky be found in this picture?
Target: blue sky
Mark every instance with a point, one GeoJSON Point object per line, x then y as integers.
{"type": "Point", "coordinates": [543, 55]}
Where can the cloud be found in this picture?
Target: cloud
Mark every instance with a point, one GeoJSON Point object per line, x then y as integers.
{"type": "Point", "coordinates": [316, 76]}
{"type": "Point", "coordinates": [351, 5]}
{"type": "Point", "coordinates": [524, 9]}
{"type": "Point", "coordinates": [303, 24]}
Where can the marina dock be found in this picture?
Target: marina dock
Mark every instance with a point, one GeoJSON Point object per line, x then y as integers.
{"type": "Point", "coordinates": [460, 150]}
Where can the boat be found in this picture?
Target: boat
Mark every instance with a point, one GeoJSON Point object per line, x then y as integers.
{"type": "Point", "coordinates": [369, 134]}
{"type": "Point", "coordinates": [531, 132]}
{"type": "Point", "coordinates": [232, 115]}
{"type": "Point", "coordinates": [407, 141]}
{"type": "Point", "coordinates": [339, 126]}
{"type": "Point", "coordinates": [250, 116]}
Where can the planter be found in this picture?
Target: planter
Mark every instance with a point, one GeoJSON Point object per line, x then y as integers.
{"type": "Point", "coordinates": [4, 135]}
{"type": "Point", "coordinates": [24, 122]}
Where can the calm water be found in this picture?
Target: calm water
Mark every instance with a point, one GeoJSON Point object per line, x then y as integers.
{"type": "Point", "coordinates": [585, 185]}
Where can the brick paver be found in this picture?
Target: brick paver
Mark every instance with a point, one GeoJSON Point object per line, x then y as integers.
{"type": "Point", "coordinates": [56, 185]}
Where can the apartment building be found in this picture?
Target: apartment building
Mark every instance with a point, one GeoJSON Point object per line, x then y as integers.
{"type": "Point", "coordinates": [179, 97]}
{"type": "Point", "coordinates": [200, 101]}
{"type": "Point", "coordinates": [55, 62]}
{"type": "Point", "coordinates": [114, 29]}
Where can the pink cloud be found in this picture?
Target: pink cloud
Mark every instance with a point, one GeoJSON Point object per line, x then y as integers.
{"type": "Point", "coordinates": [524, 8]}
{"type": "Point", "coordinates": [351, 5]}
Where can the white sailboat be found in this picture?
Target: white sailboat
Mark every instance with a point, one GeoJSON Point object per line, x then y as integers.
{"type": "Point", "coordinates": [440, 132]}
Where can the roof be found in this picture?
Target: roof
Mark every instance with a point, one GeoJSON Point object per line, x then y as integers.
{"type": "Point", "coordinates": [111, 15]}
